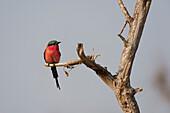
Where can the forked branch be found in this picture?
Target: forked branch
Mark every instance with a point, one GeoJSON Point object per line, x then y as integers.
{"type": "Point", "coordinates": [127, 100]}
{"type": "Point", "coordinates": [123, 27]}
{"type": "Point", "coordinates": [123, 39]}
{"type": "Point", "coordinates": [100, 71]}
{"type": "Point", "coordinates": [120, 83]}
{"type": "Point", "coordinates": [124, 10]}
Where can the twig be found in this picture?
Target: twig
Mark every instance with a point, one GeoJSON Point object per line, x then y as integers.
{"type": "Point", "coordinates": [73, 67]}
{"type": "Point", "coordinates": [138, 90]}
{"type": "Point", "coordinates": [124, 10]}
{"type": "Point", "coordinates": [93, 54]}
{"type": "Point", "coordinates": [123, 27]}
{"type": "Point", "coordinates": [68, 64]}
{"type": "Point", "coordinates": [96, 57]}
{"type": "Point", "coordinates": [105, 75]}
{"type": "Point", "coordinates": [123, 39]}
{"type": "Point", "coordinates": [72, 62]}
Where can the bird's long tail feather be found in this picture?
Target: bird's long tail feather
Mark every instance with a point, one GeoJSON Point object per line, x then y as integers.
{"type": "Point", "coordinates": [55, 75]}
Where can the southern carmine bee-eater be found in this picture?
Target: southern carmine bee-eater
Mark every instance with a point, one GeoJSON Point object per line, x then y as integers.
{"type": "Point", "coordinates": [52, 55]}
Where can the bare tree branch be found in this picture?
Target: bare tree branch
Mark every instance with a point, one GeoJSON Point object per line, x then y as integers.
{"type": "Point", "coordinates": [123, 39]}
{"type": "Point", "coordinates": [124, 10]}
{"type": "Point", "coordinates": [68, 64]}
{"type": "Point", "coordinates": [127, 58]}
{"type": "Point", "coordinates": [123, 91]}
{"type": "Point", "coordinates": [123, 27]}
{"type": "Point", "coordinates": [100, 71]}
{"type": "Point", "coordinates": [120, 83]}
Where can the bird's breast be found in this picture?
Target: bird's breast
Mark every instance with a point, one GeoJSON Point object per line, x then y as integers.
{"type": "Point", "coordinates": [52, 54]}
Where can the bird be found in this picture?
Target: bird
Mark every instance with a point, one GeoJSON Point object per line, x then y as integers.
{"type": "Point", "coordinates": [52, 55]}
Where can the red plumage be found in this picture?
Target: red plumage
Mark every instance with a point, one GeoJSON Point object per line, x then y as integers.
{"type": "Point", "coordinates": [52, 55]}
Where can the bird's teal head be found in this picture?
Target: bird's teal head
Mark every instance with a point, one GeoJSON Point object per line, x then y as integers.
{"type": "Point", "coordinates": [53, 42]}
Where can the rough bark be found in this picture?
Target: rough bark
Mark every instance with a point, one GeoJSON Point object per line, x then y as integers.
{"type": "Point", "coordinates": [123, 90]}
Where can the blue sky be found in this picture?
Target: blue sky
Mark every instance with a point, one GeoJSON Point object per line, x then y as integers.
{"type": "Point", "coordinates": [27, 86]}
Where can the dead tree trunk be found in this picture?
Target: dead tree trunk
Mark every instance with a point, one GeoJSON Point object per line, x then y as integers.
{"type": "Point", "coordinates": [120, 83]}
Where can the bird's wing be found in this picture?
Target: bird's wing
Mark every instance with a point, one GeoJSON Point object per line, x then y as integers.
{"type": "Point", "coordinates": [44, 54]}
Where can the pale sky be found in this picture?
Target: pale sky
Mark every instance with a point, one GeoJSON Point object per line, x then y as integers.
{"type": "Point", "coordinates": [26, 26]}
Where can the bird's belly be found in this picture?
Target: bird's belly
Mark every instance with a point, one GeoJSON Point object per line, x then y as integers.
{"type": "Point", "coordinates": [52, 58]}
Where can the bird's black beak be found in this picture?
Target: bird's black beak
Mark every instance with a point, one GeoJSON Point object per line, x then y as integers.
{"type": "Point", "coordinates": [58, 43]}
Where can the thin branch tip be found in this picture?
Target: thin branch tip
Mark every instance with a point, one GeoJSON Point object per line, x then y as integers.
{"type": "Point", "coordinates": [123, 39]}
{"type": "Point", "coordinates": [137, 90]}
{"type": "Point", "coordinates": [123, 27]}
{"type": "Point", "coordinates": [97, 56]}
{"type": "Point", "coordinates": [125, 11]}
{"type": "Point", "coordinates": [80, 45]}
{"type": "Point", "coordinates": [68, 64]}
{"type": "Point", "coordinates": [93, 54]}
